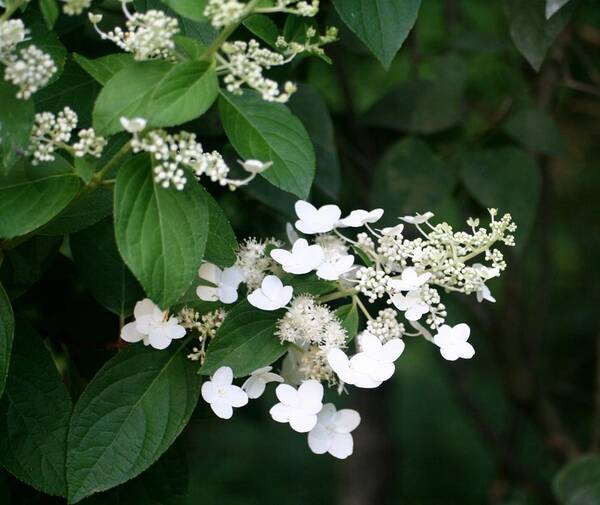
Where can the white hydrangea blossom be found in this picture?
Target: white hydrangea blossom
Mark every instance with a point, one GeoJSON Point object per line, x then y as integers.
{"type": "Point", "coordinates": [12, 32]}
{"type": "Point", "coordinates": [148, 34]}
{"type": "Point", "coordinates": [75, 7]}
{"type": "Point", "coordinates": [30, 69]}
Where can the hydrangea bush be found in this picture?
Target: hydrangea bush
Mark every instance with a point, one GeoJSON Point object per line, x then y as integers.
{"type": "Point", "coordinates": [119, 170]}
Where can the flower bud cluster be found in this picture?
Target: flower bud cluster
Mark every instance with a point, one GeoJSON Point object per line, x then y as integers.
{"type": "Point", "coordinates": [205, 325]}
{"type": "Point", "coordinates": [12, 32]}
{"type": "Point", "coordinates": [254, 261]}
{"type": "Point", "coordinates": [224, 12]}
{"type": "Point", "coordinates": [30, 69]}
{"type": "Point", "coordinates": [75, 7]}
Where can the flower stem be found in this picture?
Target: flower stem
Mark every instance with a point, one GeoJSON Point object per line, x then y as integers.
{"type": "Point", "coordinates": [362, 307]}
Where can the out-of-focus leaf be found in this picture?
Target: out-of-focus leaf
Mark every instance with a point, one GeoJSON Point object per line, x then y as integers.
{"type": "Point", "coordinates": [410, 178]}
{"type": "Point", "coordinates": [536, 130]}
{"type": "Point", "coordinates": [578, 483]}
{"type": "Point", "coordinates": [382, 25]}
{"type": "Point", "coordinates": [7, 328]}
{"type": "Point", "coordinates": [221, 245]}
{"type": "Point", "coordinates": [50, 12]}
{"type": "Point", "coordinates": [507, 179]}
{"type": "Point", "coordinates": [531, 32]}
{"type": "Point", "coordinates": [310, 107]}
{"type": "Point", "coordinates": [192, 9]}
{"type": "Point", "coordinates": [553, 6]}
{"type": "Point", "coordinates": [16, 119]}
{"type": "Point", "coordinates": [263, 27]}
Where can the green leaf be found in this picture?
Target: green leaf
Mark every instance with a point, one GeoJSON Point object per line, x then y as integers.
{"type": "Point", "coordinates": [245, 341]}
{"type": "Point", "coordinates": [221, 245]}
{"type": "Point", "coordinates": [83, 212]}
{"type": "Point", "coordinates": [535, 129]}
{"type": "Point", "coordinates": [161, 233]}
{"type": "Point", "coordinates": [192, 9]}
{"type": "Point", "coordinates": [162, 93]}
{"type": "Point", "coordinates": [50, 12]}
{"type": "Point", "coordinates": [16, 120]}
{"type": "Point", "coordinates": [578, 483]}
{"type": "Point", "coordinates": [410, 178]}
{"type": "Point", "coordinates": [25, 264]}
{"type": "Point", "coordinates": [34, 416]}
{"type": "Point", "coordinates": [102, 269]}
{"type": "Point", "coordinates": [129, 414]}
{"type": "Point", "coordinates": [268, 131]}
{"type": "Point", "coordinates": [309, 284]}
{"type": "Point", "coordinates": [310, 107]}
{"type": "Point", "coordinates": [507, 179]}
{"type": "Point", "coordinates": [263, 27]}
{"type": "Point", "coordinates": [34, 195]}
{"type": "Point", "coordinates": [7, 328]}
{"type": "Point", "coordinates": [104, 68]}
{"type": "Point", "coordinates": [382, 25]}
{"type": "Point", "coordinates": [348, 316]}
{"type": "Point", "coordinates": [531, 32]}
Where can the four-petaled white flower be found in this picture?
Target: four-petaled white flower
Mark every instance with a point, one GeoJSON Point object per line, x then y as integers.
{"type": "Point", "coordinates": [332, 433]}
{"type": "Point", "coordinates": [255, 384]}
{"type": "Point", "coordinates": [222, 394]}
{"type": "Point", "coordinates": [255, 166]}
{"type": "Point", "coordinates": [303, 258]}
{"type": "Point", "coordinates": [484, 293]}
{"type": "Point", "coordinates": [358, 218]}
{"type": "Point", "coordinates": [333, 269]}
{"type": "Point", "coordinates": [486, 273]}
{"type": "Point", "coordinates": [370, 367]}
{"type": "Point", "coordinates": [312, 220]}
{"type": "Point", "coordinates": [152, 326]}
{"type": "Point", "coordinates": [412, 305]}
{"type": "Point", "coordinates": [226, 283]}
{"type": "Point", "coordinates": [409, 281]}
{"type": "Point", "coordinates": [133, 125]}
{"type": "Point", "coordinates": [299, 407]}
{"type": "Point", "coordinates": [271, 295]}
{"type": "Point", "coordinates": [452, 342]}
{"type": "Point", "coordinates": [393, 231]}
{"type": "Point", "coordinates": [418, 218]}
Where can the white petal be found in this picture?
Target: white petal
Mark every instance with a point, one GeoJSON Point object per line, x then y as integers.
{"type": "Point", "coordinates": [232, 277]}
{"type": "Point", "coordinates": [227, 294]}
{"type": "Point", "coordinates": [280, 413]}
{"type": "Point", "coordinates": [144, 307]}
{"type": "Point", "coordinates": [327, 415]}
{"type": "Point", "coordinates": [258, 299]}
{"type": "Point", "coordinates": [311, 396]}
{"type": "Point", "coordinates": [467, 351]}
{"type": "Point", "coordinates": [159, 339]}
{"type": "Point", "coordinates": [370, 344]}
{"type": "Point", "coordinates": [129, 333]}
{"type": "Point", "coordinates": [236, 396]}
{"type": "Point", "coordinates": [209, 272]}
{"type": "Point", "coordinates": [209, 392]}
{"type": "Point", "coordinates": [285, 296]}
{"type": "Point", "coordinates": [319, 440]}
{"type": "Point", "coordinates": [207, 293]}
{"type": "Point", "coordinates": [301, 421]}
{"type": "Point", "coordinates": [287, 395]}
{"type": "Point", "coordinates": [330, 213]}
{"type": "Point", "coordinates": [222, 409]}
{"type": "Point", "coordinates": [392, 350]}
{"type": "Point", "coordinates": [282, 256]}
{"type": "Point", "coordinates": [223, 377]}
{"type": "Point", "coordinates": [254, 387]}
{"type": "Point", "coordinates": [346, 420]}
{"type": "Point", "coordinates": [450, 353]}
{"type": "Point", "coordinates": [305, 210]}
{"type": "Point", "coordinates": [271, 286]}
{"type": "Point", "coordinates": [342, 445]}
{"type": "Point", "coordinates": [461, 332]}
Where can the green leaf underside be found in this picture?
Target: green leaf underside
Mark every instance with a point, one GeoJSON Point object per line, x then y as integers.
{"type": "Point", "coordinates": [131, 412]}
{"type": "Point", "coordinates": [162, 93]}
{"type": "Point", "coordinates": [245, 341]}
{"type": "Point", "coordinates": [161, 233]}
{"type": "Point", "coordinates": [102, 269]}
{"type": "Point", "coordinates": [7, 328]}
{"type": "Point", "coordinates": [28, 204]}
{"type": "Point", "coordinates": [382, 25]}
{"type": "Point", "coordinates": [34, 416]}
{"type": "Point", "coordinates": [270, 132]}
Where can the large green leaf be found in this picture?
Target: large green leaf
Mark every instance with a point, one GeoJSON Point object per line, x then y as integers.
{"type": "Point", "coordinates": [130, 413]}
{"type": "Point", "coordinates": [162, 93]}
{"type": "Point", "coordinates": [531, 32]}
{"type": "Point", "coordinates": [102, 269]}
{"type": "Point", "coordinates": [7, 328]}
{"type": "Point", "coordinates": [192, 9]}
{"type": "Point", "coordinates": [161, 233]}
{"type": "Point", "coordinates": [245, 341]}
{"type": "Point", "coordinates": [102, 69]}
{"type": "Point", "coordinates": [270, 132]}
{"type": "Point", "coordinates": [310, 107]}
{"type": "Point", "coordinates": [34, 416]}
{"type": "Point", "coordinates": [535, 129]}
{"type": "Point", "coordinates": [410, 178]}
{"type": "Point", "coordinates": [221, 245]}
{"type": "Point", "coordinates": [507, 179]}
{"type": "Point", "coordinates": [16, 119]}
{"type": "Point", "coordinates": [578, 483]}
{"type": "Point", "coordinates": [382, 25]}
{"type": "Point", "coordinates": [31, 196]}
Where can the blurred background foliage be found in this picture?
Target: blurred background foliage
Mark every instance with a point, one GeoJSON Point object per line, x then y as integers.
{"type": "Point", "coordinates": [460, 121]}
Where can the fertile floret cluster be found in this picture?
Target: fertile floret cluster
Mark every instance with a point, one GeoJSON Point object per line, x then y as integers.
{"type": "Point", "coordinates": [30, 69]}
{"type": "Point", "coordinates": [12, 32]}
{"type": "Point", "coordinates": [254, 261]}
{"type": "Point", "coordinates": [53, 131]}
{"type": "Point", "coordinates": [224, 12]}
{"type": "Point", "coordinates": [75, 7]}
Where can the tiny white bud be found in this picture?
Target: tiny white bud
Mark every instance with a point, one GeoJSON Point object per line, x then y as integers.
{"type": "Point", "coordinates": [133, 125]}
{"type": "Point", "coordinates": [255, 166]}
{"type": "Point", "coordinates": [94, 18]}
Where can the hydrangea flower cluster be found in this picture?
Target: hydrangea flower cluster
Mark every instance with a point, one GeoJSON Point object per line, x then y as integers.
{"type": "Point", "coordinates": [172, 152]}
{"type": "Point", "coordinates": [410, 271]}
{"type": "Point", "coordinates": [12, 32]}
{"type": "Point", "coordinates": [75, 7]}
{"type": "Point", "coordinates": [148, 35]}
{"type": "Point", "coordinates": [53, 131]}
